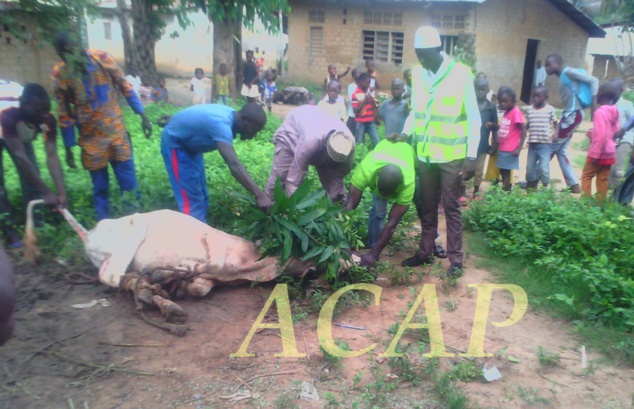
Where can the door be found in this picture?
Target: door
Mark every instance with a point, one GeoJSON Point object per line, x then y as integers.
{"type": "Point", "coordinates": [529, 70]}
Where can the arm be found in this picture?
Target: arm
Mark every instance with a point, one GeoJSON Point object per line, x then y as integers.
{"type": "Point", "coordinates": [304, 152]}
{"type": "Point", "coordinates": [55, 169]}
{"type": "Point", "coordinates": [65, 115]}
{"type": "Point", "coordinates": [340, 76]}
{"type": "Point", "coordinates": [474, 121]}
{"type": "Point", "coordinates": [354, 198]}
{"type": "Point", "coordinates": [191, 87]}
{"type": "Point", "coordinates": [396, 214]}
{"type": "Point", "coordinates": [588, 79]}
{"type": "Point", "coordinates": [599, 135]}
{"type": "Point", "coordinates": [517, 151]}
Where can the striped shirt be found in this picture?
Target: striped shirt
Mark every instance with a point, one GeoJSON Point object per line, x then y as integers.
{"type": "Point", "coordinates": [366, 114]}
{"type": "Point", "coordinates": [541, 124]}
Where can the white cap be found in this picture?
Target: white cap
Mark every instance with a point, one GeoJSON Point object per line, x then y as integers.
{"type": "Point", "coordinates": [339, 146]}
{"type": "Point", "coordinates": [427, 37]}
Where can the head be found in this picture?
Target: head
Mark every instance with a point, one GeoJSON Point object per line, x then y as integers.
{"type": "Point", "coordinates": [161, 82]}
{"type": "Point", "coordinates": [332, 70]}
{"type": "Point", "coordinates": [407, 76]}
{"type": "Point", "coordinates": [199, 73]}
{"type": "Point", "coordinates": [481, 86]}
{"type": "Point", "coordinates": [363, 81]}
{"type": "Point", "coordinates": [249, 55]}
{"type": "Point", "coordinates": [608, 94]}
{"type": "Point", "coordinates": [428, 47]}
{"type": "Point", "coordinates": [389, 180]}
{"type": "Point", "coordinates": [333, 89]}
{"type": "Point", "coordinates": [539, 63]}
{"type": "Point", "coordinates": [257, 49]}
{"type": "Point", "coordinates": [481, 75]}
{"type": "Point", "coordinates": [270, 76]}
{"type": "Point", "coordinates": [506, 98]}
{"type": "Point", "coordinates": [355, 74]}
{"type": "Point", "coordinates": [540, 96]}
{"type": "Point", "coordinates": [554, 64]}
{"type": "Point", "coordinates": [339, 146]}
{"type": "Point", "coordinates": [398, 89]}
{"type": "Point", "coordinates": [145, 81]}
{"type": "Point", "coordinates": [620, 87]}
{"type": "Point", "coordinates": [223, 69]}
{"type": "Point", "coordinates": [249, 120]}
{"type": "Point", "coordinates": [369, 65]}
{"type": "Point", "coordinates": [66, 45]}
{"type": "Point", "coordinates": [35, 103]}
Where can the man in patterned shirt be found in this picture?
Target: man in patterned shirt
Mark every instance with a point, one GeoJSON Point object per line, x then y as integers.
{"type": "Point", "coordinates": [85, 83]}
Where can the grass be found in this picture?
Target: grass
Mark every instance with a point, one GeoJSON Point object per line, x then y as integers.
{"type": "Point", "coordinates": [547, 358]}
{"type": "Point", "coordinates": [614, 344]}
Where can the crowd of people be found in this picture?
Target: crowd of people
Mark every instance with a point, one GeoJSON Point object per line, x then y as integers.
{"type": "Point", "coordinates": [440, 126]}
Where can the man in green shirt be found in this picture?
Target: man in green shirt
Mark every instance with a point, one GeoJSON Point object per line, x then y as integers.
{"type": "Point", "coordinates": [389, 171]}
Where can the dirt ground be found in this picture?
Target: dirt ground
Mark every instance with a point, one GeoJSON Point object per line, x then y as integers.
{"type": "Point", "coordinates": [108, 358]}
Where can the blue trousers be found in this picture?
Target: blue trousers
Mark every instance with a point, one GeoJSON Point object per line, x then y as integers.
{"type": "Point", "coordinates": [126, 177]}
{"type": "Point", "coordinates": [369, 128]}
{"type": "Point", "coordinates": [538, 163]}
{"type": "Point", "coordinates": [378, 212]}
{"type": "Point", "coordinates": [186, 172]}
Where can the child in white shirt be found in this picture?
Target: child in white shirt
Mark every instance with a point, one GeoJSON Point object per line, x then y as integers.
{"type": "Point", "coordinates": [198, 87]}
{"type": "Point", "coordinates": [333, 103]}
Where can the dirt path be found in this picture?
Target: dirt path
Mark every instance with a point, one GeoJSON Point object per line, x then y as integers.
{"type": "Point", "coordinates": [107, 357]}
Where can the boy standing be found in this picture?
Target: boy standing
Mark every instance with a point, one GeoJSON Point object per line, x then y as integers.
{"type": "Point", "coordinates": [159, 93]}
{"type": "Point", "coordinates": [489, 117]}
{"type": "Point", "coordinates": [250, 78]}
{"type": "Point", "coordinates": [222, 85]}
{"type": "Point", "coordinates": [364, 107]}
{"type": "Point", "coordinates": [542, 125]}
{"type": "Point", "coordinates": [569, 82]}
{"type": "Point", "coordinates": [374, 85]}
{"type": "Point", "coordinates": [197, 86]}
{"type": "Point", "coordinates": [333, 103]}
{"type": "Point", "coordinates": [626, 111]}
{"type": "Point", "coordinates": [269, 89]}
{"type": "Point", "coordinates": [394, 111]}
{"type": "Point", "coordinates": [333, 76]}
{"type": "Point", "coordinates": [352, 124]}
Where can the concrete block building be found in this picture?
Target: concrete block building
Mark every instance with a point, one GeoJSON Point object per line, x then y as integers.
{"type": "Point", "coordinates": [507, 36]}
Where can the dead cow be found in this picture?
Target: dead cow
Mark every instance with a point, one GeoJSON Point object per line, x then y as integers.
{"type": "Point", "coordinates": [145, 251]}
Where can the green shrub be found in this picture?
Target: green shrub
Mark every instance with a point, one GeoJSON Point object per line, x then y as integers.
{"type": "Point", "coordinates": [580, 251]}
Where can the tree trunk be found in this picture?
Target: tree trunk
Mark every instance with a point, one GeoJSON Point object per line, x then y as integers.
{"type": "Point", "coordinates": [227, 37]}
{"type": "Point", "coordinates": [144, 39]}
{"type": "Point", "coordinates": [128, 48]}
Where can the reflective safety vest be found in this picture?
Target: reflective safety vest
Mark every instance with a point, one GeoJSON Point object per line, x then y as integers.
{"type": "Point", "coordinates": [440, 126]}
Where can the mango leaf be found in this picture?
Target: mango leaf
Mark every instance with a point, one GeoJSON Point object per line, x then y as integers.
{"type": "Point", "coordinates": [311, 216]}
{"type": "Point", "coordinates": [313, 253]}
{"type": "Point", "coordinates": [310, 200]}
{"type": "Point", "coordinates": [288, 245]}
{"type": "Point", "coordinates": [326, 254]}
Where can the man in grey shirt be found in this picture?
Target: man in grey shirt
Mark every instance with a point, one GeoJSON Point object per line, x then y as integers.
{"type": "Point", "coordinates": [394, 111]}
{"type": "Point", "coordinates": [572, 114]}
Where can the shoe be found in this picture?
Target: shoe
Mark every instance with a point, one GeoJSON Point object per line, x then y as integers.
{"type": "Point", "coordinates": [417, 260]}
{"type": "Point", "coordinates": [463, 201]}
{"type": "Point", "coordinates": [522, 185]}
{"type": "Point", "coordinates": [575, 189]}
{"type": "Point", "coordinates": [455, 271]}
{"type": "Point", "coordinates": [439, 251]}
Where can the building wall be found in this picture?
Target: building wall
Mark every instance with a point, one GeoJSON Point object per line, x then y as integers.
{"type": "Point", "coordinates": [343, 42]}
{"type": "Point", "coordinates": [605, 67]}
{"type": "Point", "coordinates": [503, 28]}
{"type": "Point", "coordinates": [25, 62]}
{"type": "Point", "coordinates": [178, 56]}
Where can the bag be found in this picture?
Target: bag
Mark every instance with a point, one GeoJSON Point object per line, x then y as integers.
{"type": "Point", "coordinates": [583, 92]}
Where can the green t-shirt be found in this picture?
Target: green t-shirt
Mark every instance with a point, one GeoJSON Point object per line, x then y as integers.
{"type": "Point", "coordinates": [400, 154]}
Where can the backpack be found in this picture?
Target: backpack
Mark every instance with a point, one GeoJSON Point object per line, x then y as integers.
{"type": "Point", "coordinates": [583, 92]}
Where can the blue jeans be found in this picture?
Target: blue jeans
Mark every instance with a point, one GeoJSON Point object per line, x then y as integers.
{"type": "Point", "coordinates": [126, 177]}
{"type": "Point", "coordinates": [370, 129]}
{"type": "Point", "coordinates": [538, 163]}
{"type": "Point", "coordinates": [186, 172]}
{"type": "Point", "coordinates": [378, 212]}
{"type": "Point", "coordinates": [222, 99]}
{"type": "Point", "coordinates": [560, 149]}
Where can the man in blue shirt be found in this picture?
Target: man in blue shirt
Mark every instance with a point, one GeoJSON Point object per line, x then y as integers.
{"type": "Point", "coordinates": [200, 129]}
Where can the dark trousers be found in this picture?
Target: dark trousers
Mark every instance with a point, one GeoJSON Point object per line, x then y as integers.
{"type": "Point", "coordinates": [29, 191]}
{"type": "Point", "coordinates": [436, 180]}
{"type": "Point", "coordinates": [126, 177]}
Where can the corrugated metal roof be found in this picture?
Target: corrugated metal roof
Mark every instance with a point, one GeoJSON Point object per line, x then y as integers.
{"type": "Point", "coordinates": [579, 17]}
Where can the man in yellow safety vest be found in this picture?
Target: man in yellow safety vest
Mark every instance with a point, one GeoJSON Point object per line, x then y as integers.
{"type": "Point", "coordinates": [444, 124]}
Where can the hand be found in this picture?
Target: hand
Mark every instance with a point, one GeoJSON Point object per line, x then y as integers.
{"type": "Point", "coordinates": [589, 133]}
{"type": "Point", "coordinates": [249, 86]}
{"type": "Point", "coordinates": [619, 134]}
{"type": "Point", "coordinates": [494, 150]}
{"type": "Point", "coordinates": [63, 201]}
{"type": "Point", "coordinates": [394, 137]}
{"type": "Point", "coordinates": [51, 199]}
{"type": "Point", "coordinates": [492, 126]}
{"type": "Point", "coordinates": [594, 161]}
{"type": "Point", "coordinates": [147, 127]}
{"type": "Point", "coordinates": [70, 159]}
{"type": "Point", "coordinates": [367, 260]}
{"type": "Point", "coordinates": [264, 202]}
{"type": "Point", "coordinates": [517, 151]}
{"type": "Point", "coordinates": [468, 170]}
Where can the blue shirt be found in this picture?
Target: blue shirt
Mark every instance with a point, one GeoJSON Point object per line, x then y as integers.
{"type": "Point", "coordinates": [198, 128]}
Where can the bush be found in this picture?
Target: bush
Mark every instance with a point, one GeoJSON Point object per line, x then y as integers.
{"type": "Point", "coordinates": [579, 251]}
